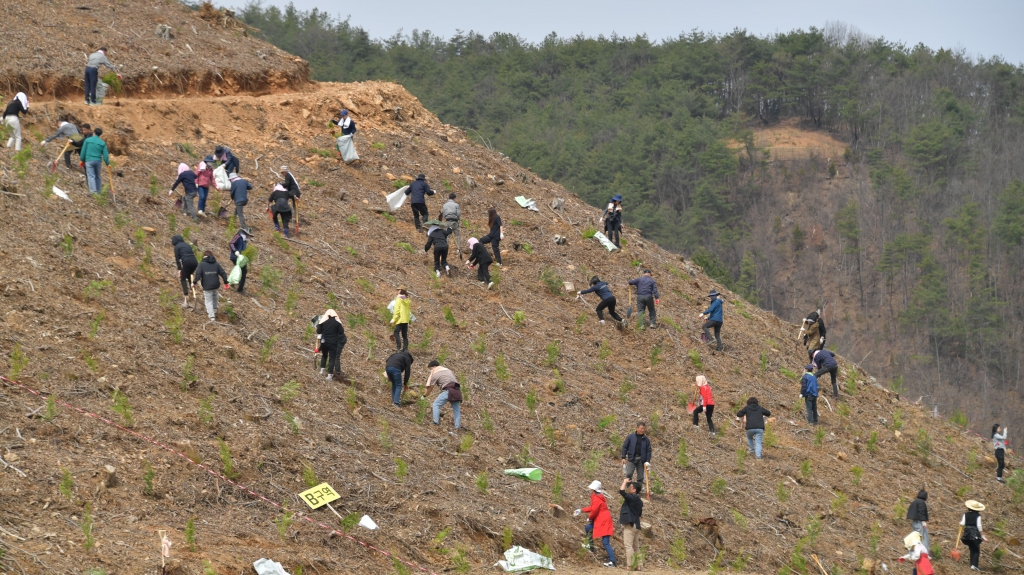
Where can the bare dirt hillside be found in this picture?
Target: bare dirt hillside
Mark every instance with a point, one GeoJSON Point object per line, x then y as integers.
{"type": "Point", "coordinates": [91, 306]}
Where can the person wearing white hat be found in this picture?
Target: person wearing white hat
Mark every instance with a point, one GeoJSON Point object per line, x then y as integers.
{"type": "Point", "coordinates": [599, 521]}
{"type": "Point", "coordinates": [17, 106]}
{"type": "Point", "coordinates": [972, 534]}
{"type": "Point", "coordinates": [918, 553]}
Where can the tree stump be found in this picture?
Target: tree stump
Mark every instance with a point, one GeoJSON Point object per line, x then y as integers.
{"type": "Point", "coordinates": [108, 476]}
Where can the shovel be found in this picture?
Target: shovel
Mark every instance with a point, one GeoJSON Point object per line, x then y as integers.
{"type": "Point", "coordinates": [195, 300]}
{"type": "Point", "coordinates": [110, 176]}
{"type": "Point", "coordinates": [955, 553]}
{"type": "Point", "coordinates": [53, 164]}
{"type": "Point", "coordinates": [295, 208]}
{"type": "Point", "coordinates": [692, 406]}
{"type": "Point", "coordinates": [629, 309]}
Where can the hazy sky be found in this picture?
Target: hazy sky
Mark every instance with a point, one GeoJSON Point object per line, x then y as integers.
{"type": "Point", "coordinates": [982, 27]}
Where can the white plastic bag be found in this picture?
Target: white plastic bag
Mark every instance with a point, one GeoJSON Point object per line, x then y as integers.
{"type": "Point", "coordinates": [220, 178]}
{"type": "Point", "coordinates": [397, 198]}
{"type": "Point", "coordinates": [605, 242]}
{"type": "Point", "coordinates": [391, 308]}
{"type": "Point", "coordinates": [268, 567]}
{"type": "Point", "coordinates": [347, 149]}
{"type": "Point", "coordinates": [367, 523]}
{"type": "Point", "coordinates": [519, 559]}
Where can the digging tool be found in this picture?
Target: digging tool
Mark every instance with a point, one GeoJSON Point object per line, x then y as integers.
{"type": "Point", "coordinates": [647, 477]}
{"type": "Point", "coordinates": [692, 406]}
{"type": "Point", "coordinates": [53, 164]}
{"type": "Point", "coordinates": [295, 209]}
{"type": "Point", "coordinates": [629, 309]}
{"type": "Point", "coordinates": [955, 553]}
{"type": "Point", "coordinates": [815, 557]}
{"type": "Point", "coordinates": [110, 176]}
{"type": "Point", "coordinates": [195, 300]}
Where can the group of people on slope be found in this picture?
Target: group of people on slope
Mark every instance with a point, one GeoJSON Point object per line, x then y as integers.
{"type": "Point", "coordinates": [208, 273]}
{"type": "Point", "coordinates": [600, 525]}
{"type": "Point", "coordinates": [918, 542]}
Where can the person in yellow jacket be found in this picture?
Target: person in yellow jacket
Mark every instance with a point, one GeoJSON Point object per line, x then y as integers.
{"type": "Point", "coordinates": [400, 319]}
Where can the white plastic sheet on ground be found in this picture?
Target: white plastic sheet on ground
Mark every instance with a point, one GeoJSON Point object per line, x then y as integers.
{"type": "Point", "coordinates": [61, 193]}
{"type": "Point", "coordinates": [519, 559]}
{"type": "Point", "coordinates": [367, 523]}
{"type": "Point", "coordinates": [605, 241]}
{"type": "Point", "coordinates": [527, 203]}
{"type": "Point", "coordinates": [397, 198]}
{"type": "Point", "coordinates": [268, 567]}
{"type": "Point", "coordinates": [347, 149]}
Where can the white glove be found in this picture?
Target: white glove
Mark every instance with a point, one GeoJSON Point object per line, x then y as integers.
{"type": "Point", "coordinates": [502, 236]}
{"type": "Point", "coordinates": [700, 314]}
{"type": "Point", "coordinates": [821, 340]}
{"type": "Point", "coordinates": [42, 142]}
{"type": "Point", "coordinates": [237, 254]}
{"type": "Point", "coordinates": [169, 192]}
{"type": "Point", "coordinates": [576, 513]}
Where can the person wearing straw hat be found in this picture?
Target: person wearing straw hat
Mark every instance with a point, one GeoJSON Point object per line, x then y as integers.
{"type": "Point", "coordinates": [400, 318]}
{"type": "Point", "coordinates": [599, 521]}
{"type": "Point", "coordinates": [918, 553]}
{"type": "Point", "coordinates": [714, 319]}
{"type": "Point", "coordinates": [972, 533]}
{"type": "Point", "coordinates": [705, 404]}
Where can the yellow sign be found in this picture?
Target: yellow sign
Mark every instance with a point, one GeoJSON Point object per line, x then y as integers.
{"type": "Point", "coordinates": [319, 496]}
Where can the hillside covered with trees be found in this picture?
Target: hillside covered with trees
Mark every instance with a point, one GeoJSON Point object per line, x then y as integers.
{"type": "Point", "coordinates": [915, 235]}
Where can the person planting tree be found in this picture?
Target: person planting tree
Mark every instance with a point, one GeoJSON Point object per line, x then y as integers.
{"type": "Point", "coordinates": [824, 361]}
{"type": "Point", "coordinates": [450, 392]}
{"type": "Point", "coordinates": [396, 367]}
{"type": "Point", "coordinates": [185, 259]}
{"type": "Point", "coordinates": [478, 256]}
{"type": "Point", "coordinates": [636, 453]}
{"type": "Point", "coordinates": [92, 74]}
{"type": "Point", "coordinates": [280, 208]}
{"type": "Point", "coordinates": [607, 300]}
{"type": "Point", "coordinates": [646, 296]}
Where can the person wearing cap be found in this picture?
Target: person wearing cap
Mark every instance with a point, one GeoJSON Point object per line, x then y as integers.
{"type": "Point", "coordinates": [612, 218]}
{"type": "Point", "coordinates": [599, 521]}
{"type": "Point", "coordinates": [397, 365]}
{"type": "Point", "coordinates": [629, 517]}
{"type": "Point", "coordinates": [972, 533]}
{"type": "Point", "coordinates": [240, 195]}
{"type": "Point", "coordinates": [607, 300]}
{"type": "Point", "coordinates": [480, 257]}
{"type": "Point", "coordinates": [279, 207]}
{"type": "Point", "coordinates": [714, 319]}
{"type": "Point", "coordinates": [451, 214]}
{"type": "Point", "coordinates": [236, 247]}
{"type": "Point", "coordinates": [824, 361]}
{"type": "Point", "coordinates": [918, 553]}
{"type": "Point", "coordinates": [187, 179]}
{"type": "Point", "coordinates": [450, 391]}
{"type": "Point", "coordinates": [92, 74]}
{"type": "Point", "coordinates": [204, 179]}
{"type": "Point", "coordinates": [400, 318]}
{"type": "Point", "coordinates": [223, 155]}
{"type": "Point", "coordinates": [332, 338]}
{"type": "Point", "coordinates": [418, 192]}
{"type": "Point", "coordinates": [705, 404]}
{"type": "Point", "coordinates": [809, 391]}
{"type": "Point", "coordinates": [646, 296]}
{"type": "Point", "coordinates": [209, 274]}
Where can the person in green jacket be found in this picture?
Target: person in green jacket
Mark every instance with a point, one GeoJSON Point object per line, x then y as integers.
{"type": "Point", "coordinates": [94, 151]}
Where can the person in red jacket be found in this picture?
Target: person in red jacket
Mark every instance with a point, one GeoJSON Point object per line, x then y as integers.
{"type": "Point", "coordinates": [599, 521]}
{"type": "Point", "coordinates": [705, 403]}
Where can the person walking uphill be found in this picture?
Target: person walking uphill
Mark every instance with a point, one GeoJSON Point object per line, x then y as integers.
{"type": "Point", "coordinates": [629, 517]}
{"type": "Point", "coordinates": [236, 247]}
{"type": "Point", "coordinates": [346, 146]}
{"type": "Point", "coordinates": [209, 274]}
{"type": "Point", "coordinates": [646, 296]}
{"type": "Point", "coordinates": [636, 451]}
{"type": "Point", "coordinates": [824, 361]}
{"type": "Point", "coordinates": [705, 403]}
{"type": "Point", "coordinates": [448, 384]}
{"type": "Point", "coordinates": [291, 185]}
{"type": "Point", "coordinates": [917, 513]}
{"type": "Point", "coordinates": [94, 152]}
{"type": "Point", "coordinates": [332, 338]}
{"type": "Point", "coordinates": [92, 74]}
{"type": "Point", "coordinates": [495, 235]}
{"type": "Point", "coordinates": [599, 521]}
{"type": "Point", "coordinates": [478, 256]}
{"type": "Point", "coordinates": [918, 553]}
{"type": "Point", "coordinates": [714, 319]}
{"type": "Point", "coordinates": [607, 300]}
{"type": "Point", "coordinates": [400, 318]}
{"type": "Point", "coordinates": [279, 207]}
{"type": "Point", "coordinates": [223, 155]}
{"type": "Point", "coordinates": [240, 195]}
{"type": "Point", "coordinates": [612, 218]}
{"type": "Point", "coordinates": [809, 391]}
{"type": "Point", "coordinates": [451, 214]}
{"type": "Point", "coordinates": [397, 366]}
{"type": "Point", "coordinates": [812, 333]}
{"type": "Point", "coordinates": [186, 261]}
{"type": "Point", "coordinates": [204, 180]}
{"type": "Point", "coordinates": [972, 534]}
{"type": "Point", "coordinates": [12, 119]}
{"type": "Point", "coordinates": [754, 415]}
{"type": "Point", "coordinates": [75, 138]}
{"type": "Point", "coordinates": [999, 445]}
{"type": "Point", "coordinates": [418, 192]}
{"type": "Point", "coordinates": [438, 237]}
{"type": "Point", "coordinates": [187, 179]}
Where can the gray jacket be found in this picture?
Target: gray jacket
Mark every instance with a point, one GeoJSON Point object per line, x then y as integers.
{"type": "Point", "coordinates": [97, 59]}
{"type": "Point", "coordinates": [451, 211]}
{"type": "Point", "coordinates": [67, 130]}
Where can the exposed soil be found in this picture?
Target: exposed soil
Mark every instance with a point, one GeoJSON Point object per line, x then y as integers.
{"type": "Point", "coordinates": [84, 338]}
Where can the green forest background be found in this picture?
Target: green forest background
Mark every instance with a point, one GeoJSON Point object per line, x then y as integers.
{"type": "Point", "coordinates": [915, 235]}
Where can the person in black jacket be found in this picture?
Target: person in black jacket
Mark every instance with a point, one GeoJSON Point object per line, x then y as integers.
{"type": "Point", "coordinates": [607, 300]}
{"type": "Point", "coordinates": [629, 517]}
{"type": "Point", "coordinates": [917, 513]}
{"type": "Point", "coordinates": [972, 533]}
{"type": "Point", "coordinates": [186, 261]}
{"type": "Point", "coordinates": [636, 451]}
{"type": "Point", "coordinates": [278, 205]}
{"type": "Point", "coordinates": [495, 235]}
{"type": "Point", "coordinates": [478, 256]}
{"type": "Point", "coordinates": [825, 362]}
{"type": "Point", "coordinates": [418, 192]}
{"type": "Point", "coordinates": [187, 179]}
{"type": "Point", "coordinates": [332, 338]}
{"type": "Point", "coordinates": [754, 415]}
{"type": "Point", "coordinates": [236, 247]}
{"type": "Point", "coordinates": [438, 237]}
{"type": "Point", "coordinates": [397, 364]}
{"type": "Point", "coordinates": [17, 106]}
{"type": "Point", "coordinates": [210, 274]}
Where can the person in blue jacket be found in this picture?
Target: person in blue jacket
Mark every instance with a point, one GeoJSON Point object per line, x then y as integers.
{"type": "Point", "coordinates": [646, 295]}
{"type": "Point", "coordinates": [714, 319]}
{"type": "Point", "coordinates": [417, 193]}
{"type": "Point", "coordinates": [240, 195]}
{"type": "Point", "coordinates": [809, 391]}
{"type": "Point", "coordinates": [607, 300]}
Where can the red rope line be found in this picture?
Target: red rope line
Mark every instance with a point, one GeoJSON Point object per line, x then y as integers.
{"type": "Point", "coordinates": [216, 474]}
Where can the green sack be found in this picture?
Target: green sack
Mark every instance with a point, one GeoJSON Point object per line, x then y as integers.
{"type": "Point", "coordinates": [531, 473]}
{"type": "Point", "coordinates": [236, 273]}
